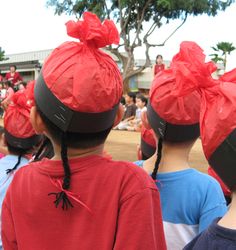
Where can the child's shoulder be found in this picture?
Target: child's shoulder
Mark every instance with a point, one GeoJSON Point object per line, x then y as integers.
{"type": "Point", "coordinates": [130, 171]}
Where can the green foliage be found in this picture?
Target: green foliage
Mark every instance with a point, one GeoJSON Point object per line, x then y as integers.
{"type": "Point", "coordinates": [2, 55]}
{"type": "Point", "coordinates": [222, 50]}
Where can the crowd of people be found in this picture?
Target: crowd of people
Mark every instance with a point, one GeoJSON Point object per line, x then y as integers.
{"type": "Point", "coordinates": [60, 190]}
{"type": "Point", "coordinates": [9, 84]}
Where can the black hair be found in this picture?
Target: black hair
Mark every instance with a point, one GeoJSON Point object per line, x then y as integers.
{"type": "Point", "coordinates": [159, 56]}
{"type": "Point", "coordinates": [45, 150]}
{"type": "Point", "coordinates": [13, 66]}
{"type": "Point", "coordinates": [142, 98]}
{"type": "Point", "coordinates": [73, 140]}
{"type": "Point", "coordinates": [132, 95]}
{"type": "Point", "coordinates": [16, 151]}
{"type": "Point", "coordinates": [122, 100]}
{"type": "Point", "coordinates": [158, 160]}
{"type": "Point", "coordinates": [8, 83]}
{"type": "Point", "coordinates": [144, 157]}
{"type": "Point", "coordinates": [1, 130]}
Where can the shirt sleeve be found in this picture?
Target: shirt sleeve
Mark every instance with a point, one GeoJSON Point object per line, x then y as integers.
{"type": "Point", "coordinates": [140, 223]}
{"type": "Point", "coordinates": [214, 205]}
{"type": "Point", "coordinates": [8, 232]}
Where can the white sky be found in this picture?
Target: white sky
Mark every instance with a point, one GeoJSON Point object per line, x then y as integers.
{"type": "Point", "coordinates": [27, 25]}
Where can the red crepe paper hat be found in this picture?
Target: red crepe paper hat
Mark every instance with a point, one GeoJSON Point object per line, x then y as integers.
{"type": "Point", "coordinates": [80, 86]}
{"type": "Point", "coordinates": [148, 142]}
{"type": "Point", "coordinates": [173, 111]}
{"type": "Point", "coordinates": [218, 129]}
{"type": "Point", "coordinates": [19, 132]}
{"type": "Point", "coordinates": [229, 76]}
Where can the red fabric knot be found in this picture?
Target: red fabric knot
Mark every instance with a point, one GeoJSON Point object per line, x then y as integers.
{"type": "Point", "coordinates": [92, 32]}
{"type": "Point", "coordinates": [58, 184]}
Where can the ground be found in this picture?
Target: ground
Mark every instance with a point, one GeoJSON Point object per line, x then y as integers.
{"type": "Point", "coordinates": [122, 145]}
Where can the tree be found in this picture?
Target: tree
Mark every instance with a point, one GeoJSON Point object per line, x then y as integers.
{"type": "Point", "coordinates": [223, 48]}
{"type": "Point", "coordinates": [138, 20]}
{"type": "Point", "coordinates": [2, 54]}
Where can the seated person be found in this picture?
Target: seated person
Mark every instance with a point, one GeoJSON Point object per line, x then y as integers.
{"type": "Point", "coordinates": [136, 123]}
{"type": "Point", "coordinates": [130, 110]}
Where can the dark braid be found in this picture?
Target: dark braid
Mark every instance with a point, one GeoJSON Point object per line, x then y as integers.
{"type": "Point", "coordinates": [159, 151]}
{"type": "Point", "coordinates": [45, 150]}
{"type": "Point", "coordinates": [10, 170]}
{"type": "Point", "coordinates": [62, 196]}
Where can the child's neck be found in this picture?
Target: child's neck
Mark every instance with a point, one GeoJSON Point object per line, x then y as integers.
{"type": "Point", "coordinates": [174, 159]}
{"type": "Point", "coordinates": [229, 219]}
{"type": "Point", "coordinates": [77, 153]}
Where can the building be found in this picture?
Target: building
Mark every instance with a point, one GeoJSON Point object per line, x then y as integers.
{"type": "Point", "coordinates": [29, 64]}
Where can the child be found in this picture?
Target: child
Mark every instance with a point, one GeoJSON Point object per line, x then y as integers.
{"type": "Point", "coordinates": [218, 132]}
{"type": "Point", "coordinates": [130, 111]}
{"type": "Point", "coordinates": [190, 200]}
{"type": "Point", "coordinates": [79, 199]}
{"type": "Point", "coordinates": [159, 66]}
{"type": "Point", "coordinates": [8, 96]}
{"type": "Point", "coordinates": [20, 139]}
{"type": "Point", "coordinates": [136, 123]}
{"type": "Point", "coordinates": [147, 150]}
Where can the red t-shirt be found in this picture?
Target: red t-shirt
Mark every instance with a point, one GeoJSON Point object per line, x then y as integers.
{"type": "Point", "coordinates": [158, 68]}
{"type": "Point", "coordinates": [124, 201]}
{"type": "Point", "coordinates": [13, 78]}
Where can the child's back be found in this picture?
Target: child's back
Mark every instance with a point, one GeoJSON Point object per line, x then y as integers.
{"type": "Point", "coordinates": [79, 199]}
{"type": "Point", "coordinates": [115, 196]}
{"type": "Point", "coordinates": [190, 200]}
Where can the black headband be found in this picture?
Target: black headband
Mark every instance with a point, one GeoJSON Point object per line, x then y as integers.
{"type": "Point", "coordinates": [147, 149]}
{"type": "Point", "coordinates": [171, 132]}
{"type": "Point", "coordinates": [223, 160]}
{"type": "Point", "coordinates": [23, 143]}
{"type": "Point", "coordinates": [67, 119]}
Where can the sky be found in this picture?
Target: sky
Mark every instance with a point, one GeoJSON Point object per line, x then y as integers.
{"type": "Point", "coordinates": [28, 25]}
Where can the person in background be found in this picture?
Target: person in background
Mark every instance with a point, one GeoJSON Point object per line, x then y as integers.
{"type": "Point", "coordinates": [14, 77]}
{"type": "Point", "coordinates": [136, 123]}
{"type": "Point", "coordinates": [130, 111]}
{"type": "Point", "coordinates": [8, 95]}
{"type": "Point", "coordinates": [159, 66]}
{"type": "Point", "coordinates": [20, 140]}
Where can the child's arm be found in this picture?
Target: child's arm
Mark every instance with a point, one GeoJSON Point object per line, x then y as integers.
{"type": "Point", "coordinates": [140, 222]}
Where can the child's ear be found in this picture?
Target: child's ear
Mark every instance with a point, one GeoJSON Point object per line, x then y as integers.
{"type": "Point", "coordinates": [37, 121]}
{"type": "Point", "coordinates": [145, 121]}
{"type": "Point", "coordinates": [119, 115]}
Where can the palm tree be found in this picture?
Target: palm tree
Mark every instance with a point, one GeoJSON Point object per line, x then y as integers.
{"type": "Point", "coordinates": [225, 48]}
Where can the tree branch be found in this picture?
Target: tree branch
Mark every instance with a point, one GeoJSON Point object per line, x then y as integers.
{"type": "Point", "coordinates": [172, 33]}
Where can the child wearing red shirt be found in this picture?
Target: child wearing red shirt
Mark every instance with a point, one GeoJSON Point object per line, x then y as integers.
{"type": "Point", "coordinates": [80, 199]}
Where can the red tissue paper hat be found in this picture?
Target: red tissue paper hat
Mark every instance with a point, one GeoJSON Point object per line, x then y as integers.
{"type": "Point", "coordinates": [19, 132]}
{"type": "Point", "coordinates": [80, 86]}
{"type": "Point", "coordinates": [173, 110]}
{"type": "Point", "coordinates": [218, 129]}
{"type": "Point", "coordinates": [148, 142]}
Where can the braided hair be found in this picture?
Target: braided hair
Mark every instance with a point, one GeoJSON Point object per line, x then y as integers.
{"type": "Point", "coordinates": [62, 196]}
{"type": "Point", "coordinates": [158, 160]}
{"type": "Point", "coordinates": [10, 170]}
{"type": "Point", "coordinates": [44, 150]}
